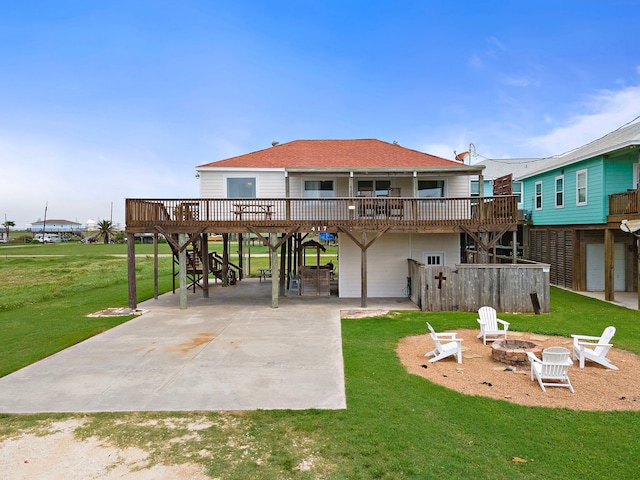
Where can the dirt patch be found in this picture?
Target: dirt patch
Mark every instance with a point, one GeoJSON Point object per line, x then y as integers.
{"type": "Point", "coordinates": [116, 312]}
{"type": "Point", "coordinates": [596, 387]}
{"type": "Point", "coordinates": [201, 339]}
{"type": "Point", "coordinates": [60, 455]}
{"type": "Point", "coordinates": [362, 313]}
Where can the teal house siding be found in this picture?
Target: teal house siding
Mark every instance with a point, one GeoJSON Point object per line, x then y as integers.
{"type": "Point", "coordinates": [593, 212]}
{"type": "Point", "coordinates": [563, 235]}
{"type": "Point", "coordinates": [605, 176]}
{"type": "Point", "coordinates": [619, 173]}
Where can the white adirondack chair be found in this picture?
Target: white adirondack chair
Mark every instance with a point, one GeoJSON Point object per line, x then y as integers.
{"type": "Point", "coordinates": [594, 348]}
{"type": "Point", "coordinates": [446, 345]}
{"type": "Point", "coordinates": [553, 369]}
{"type": "Point", "coordinates": [491, 327]}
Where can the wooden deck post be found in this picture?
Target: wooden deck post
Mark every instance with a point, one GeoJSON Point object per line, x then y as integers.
{"type": "Point", "coordinates": [363, 271]}
{"type": "Point", "coordinates": [241, 256]}
{"type": "Point", "coordinates": [205, 265]}
{"type": "Point", "coordinates": [155, 265]}
{"type": "Point", "coordinates": [364, 245]}
{"type": "Point", "coordinates": [351, 185]}
{"type": "Point", "coordinates": [290, 256]}
{"type": "Point", "coordinates": [283, 266]}
{"type": "Point", "coordinates": [609, 262]}
{"type": "Point", "coordinates": [225, 259]}
{"type": "Point", "coordinates": [275, 274]}
{"type": "Point", "coordinates": [578, 262]}
{"type": "Point", "coordinates": [182, 268]}
{"type": "Point", "coordinates": [414, 201]}
{"type": "Point", "coordinates": [131, 270]}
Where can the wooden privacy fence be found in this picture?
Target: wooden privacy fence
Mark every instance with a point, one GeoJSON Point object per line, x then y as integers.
{"type": "Point", "coordinates": [467, 287]}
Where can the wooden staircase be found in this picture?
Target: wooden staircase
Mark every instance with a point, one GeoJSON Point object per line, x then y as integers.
{"type": "Point", "coordinates": [195, 269]}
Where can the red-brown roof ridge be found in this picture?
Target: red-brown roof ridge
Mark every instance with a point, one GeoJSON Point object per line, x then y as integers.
{"type": "Point", "coordinates": [327, 154]}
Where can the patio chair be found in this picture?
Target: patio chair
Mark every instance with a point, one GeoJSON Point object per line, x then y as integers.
{"type": "Point", "coordinates": [553, 369]}
{"type": "Point", "coordinates": [446, 345]}
{"type": "Point", "coordinates": [594, 348]}
{"type": "Point", "coordinates": [491, 327]}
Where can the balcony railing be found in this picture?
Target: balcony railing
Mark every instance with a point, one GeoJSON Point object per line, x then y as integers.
{"type": "Point", "coordinates": [623, 203]}
{"type": "Point", "coordinates": [332, 212]}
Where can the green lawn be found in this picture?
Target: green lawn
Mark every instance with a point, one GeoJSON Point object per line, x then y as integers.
{"type": "Point", "coordinates": [396, 425]}
{"type": "Point", "coordinates": [258, 253]}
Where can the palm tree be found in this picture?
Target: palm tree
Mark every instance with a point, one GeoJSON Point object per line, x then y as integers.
{"type": "Point", "coordinates": [105, 230]}
{"type": "Point", "coordinates": [7, 224]}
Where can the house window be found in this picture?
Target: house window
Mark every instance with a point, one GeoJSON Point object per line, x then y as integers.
{"type": "Point", "coordinates": [374, 188]}
{"type": "Point", "coordinates": [560, 191]}
{"type": "Point", "coordinates": [431, 259]}
{"type": "Point", "coordinates": [241, 187]}
{"type": "Point", "coordinates": [430, 188]}
{"type": "Point", "coordinates": [538, 196]}
{"type": "Point", "coordinates": [581, 187]}
{"type": "Point", "coordinates": [474, 188]}
{"type": "Point", "coordinates": [318, 189]}
{"type": "Point", "coordinates": [517, 191]}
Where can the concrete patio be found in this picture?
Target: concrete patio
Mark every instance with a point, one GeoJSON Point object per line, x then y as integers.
{"type": "Point", "coordinates": [231, 351]}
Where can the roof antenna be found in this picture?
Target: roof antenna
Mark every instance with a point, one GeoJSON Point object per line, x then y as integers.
{"type": "Point", "coordinates": [470, 153]}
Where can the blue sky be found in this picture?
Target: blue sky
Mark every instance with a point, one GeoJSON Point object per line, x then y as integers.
{"type": "Point", "coordinates": [105, 100]}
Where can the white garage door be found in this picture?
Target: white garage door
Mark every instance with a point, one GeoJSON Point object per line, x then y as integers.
{"type": "Point", "coordinates": [595, 267]}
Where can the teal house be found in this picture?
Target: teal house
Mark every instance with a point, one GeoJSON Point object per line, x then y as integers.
{"type": "Point", "coordinates": [573, 206]}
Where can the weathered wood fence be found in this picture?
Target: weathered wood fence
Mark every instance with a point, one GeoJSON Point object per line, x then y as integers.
{"type": "Point", "coordinates": [467, 287]}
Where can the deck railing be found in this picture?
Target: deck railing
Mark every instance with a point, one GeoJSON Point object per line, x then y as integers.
{"type": "Point", "coordinates": [623, 203]}
{"type": "Point", "coordinates": [409, 212]}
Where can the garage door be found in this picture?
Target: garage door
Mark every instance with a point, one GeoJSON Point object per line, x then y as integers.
{"type": "Point", "coordinates": [595, 267]}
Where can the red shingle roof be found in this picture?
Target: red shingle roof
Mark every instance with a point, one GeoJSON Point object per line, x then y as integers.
{"type": "Point", "coordinates": [328, 154]}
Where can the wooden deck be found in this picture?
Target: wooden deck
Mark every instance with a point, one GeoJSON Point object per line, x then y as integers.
{"type": "Point", "coordinates": [391, 214]}
{"type": "Point", "coordinates": [624, 205]}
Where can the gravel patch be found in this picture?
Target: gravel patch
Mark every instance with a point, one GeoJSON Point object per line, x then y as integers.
{"type": "Point", "coordinates": [596, 387]}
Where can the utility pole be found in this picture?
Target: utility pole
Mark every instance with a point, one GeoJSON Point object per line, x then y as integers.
{"type": "Point", "coordinates": [44, 223]}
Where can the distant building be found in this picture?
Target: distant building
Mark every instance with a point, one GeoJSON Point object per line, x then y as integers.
{"type": "Point", "coordinates": [56, 226]}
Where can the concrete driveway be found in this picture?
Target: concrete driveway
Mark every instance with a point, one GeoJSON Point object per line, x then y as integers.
{"type": "Point", "coordinates": [229, 352]}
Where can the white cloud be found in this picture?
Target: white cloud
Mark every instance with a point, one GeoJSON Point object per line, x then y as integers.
{"type": "Point", "coordinates": [495, 44]}
{"type": "Point", "coordinates": [475, 62]}
{"type": "Point", "coordinates": [439, 149]}
{"type": "Point", "coordinates": [520, 82]}
{"type": "Point", "coordinates": [603, 113]}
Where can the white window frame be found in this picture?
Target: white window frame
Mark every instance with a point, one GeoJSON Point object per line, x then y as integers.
{"type": "Point", "coordinates": [585, 187]}
{"type": "Point", "coordinates": [308, 193]}
{"type": "Point", "coordinates": [379, 187]}
{"type": "Point", "coordinates": [636, 174]}
{"type": "Point", "coordinates": [520, 193]}
{"type": "Point", "coordinates": [253, 178]}
{"type": "Point", "coordinates": [537, 196]}
{"type": "Point", "coordinates": [429, 257]}
{"type": "Point", "coordinates": [474, 188]}
{"type": "Point", "coordinates": [561, 192]}
{"type": "Point", "coordinates": [429, 193]}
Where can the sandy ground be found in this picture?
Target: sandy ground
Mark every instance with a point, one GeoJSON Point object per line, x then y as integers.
{"type": "Point", "coordinates": [596, 387]}
{"type": "Point", "coordinates": [60, 456]}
